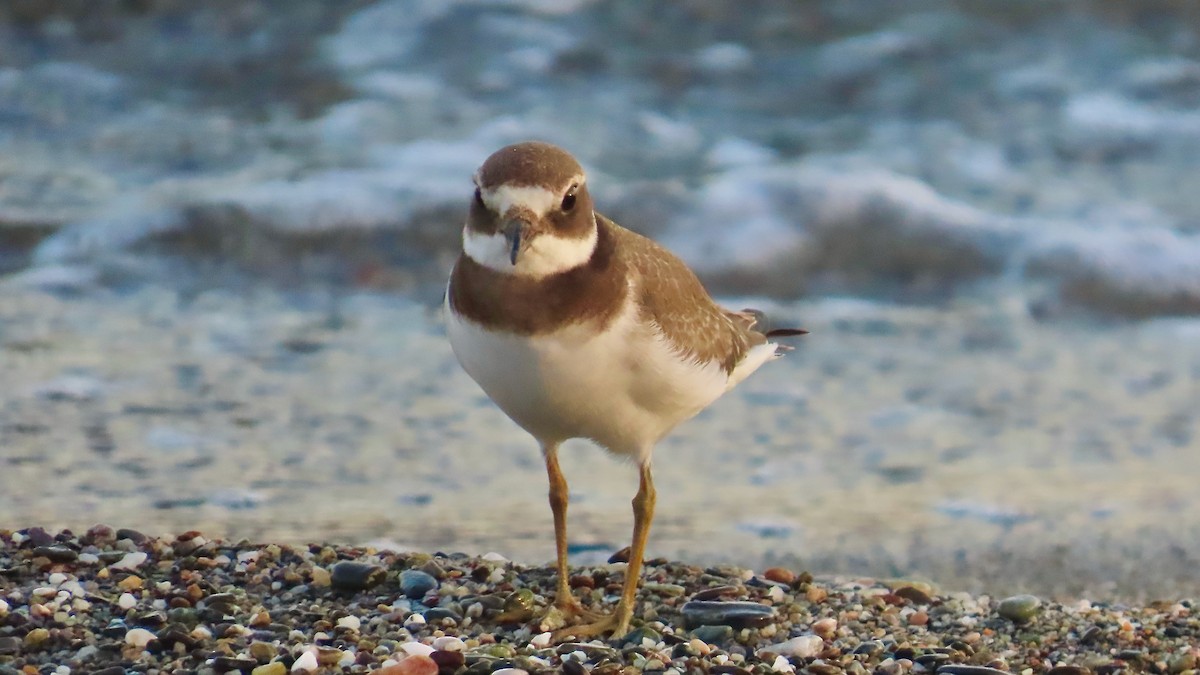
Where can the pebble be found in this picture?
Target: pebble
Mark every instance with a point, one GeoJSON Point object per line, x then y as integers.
{"type": "Point", "coordinates": [780, 574]}
{"type": "Point", "coordinates": [129, 561]}
{"type": "Point", "coordinates": [416, 648]}
{"type": "Point", "coordinates": [541, 640]}
{"type": "Point", "coordinates": [350, 622]}
{"type": "Point", "coordinates": [306, 662]}
{"type": "Point", "coordinates": [350, 575]}
{"type": "Point", "coordinates": [59, 554]}
{"type": "Point", "coordinates": [273, 668]}
{"type": "Point", "coordinates": [126, 601]}
{"type": "Point", "coordinates": [450, 643]}
{"type": "Point", "coordinates": [734, 614]}
{"type": "Point", "coordinates": [801, 647]}
{"type": "Point", "coordinates": [1019, 608]}
{"type": "Point", "coordinates": [139, 637]}
{"type": "Point", "coordinates": [825, 627]}
{"type": "Point", "coordinates": [960, 669]}
{"type": "Point", "coordinates": [417, 664]}
{"type": "Point", "coordinates": [36, 637]}
{"type": "Point", "coordinates": [416, 583]}
{"type": "Point", "coordinates": [713, 634]}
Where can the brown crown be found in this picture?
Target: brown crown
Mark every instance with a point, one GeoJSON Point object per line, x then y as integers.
{"type": "Point", "coordinates": [530, 163]}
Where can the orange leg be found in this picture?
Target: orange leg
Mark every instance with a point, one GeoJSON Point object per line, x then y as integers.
{"type": "Point", "coordinates": [559, 498]}
{"type": "Point", "coordinates": [617, 623]}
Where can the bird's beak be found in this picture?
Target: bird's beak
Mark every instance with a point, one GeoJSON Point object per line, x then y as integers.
{"type": "Point", "coordinates": [513, 230]}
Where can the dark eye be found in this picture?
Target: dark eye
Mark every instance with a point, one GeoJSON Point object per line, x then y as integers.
{"type": "Point", "coordinates": [568, 201]}
{"type": "Point", "coordinates": [478, 197]}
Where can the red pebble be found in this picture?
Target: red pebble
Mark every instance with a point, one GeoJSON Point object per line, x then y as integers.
{"type": "Point", "coordinates": [780, 575]}
{"type": "Point", "coordinates": [415, 664]}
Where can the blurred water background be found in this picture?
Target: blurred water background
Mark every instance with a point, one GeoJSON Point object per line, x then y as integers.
{"type": "Point", "coordinates": [225, 228]}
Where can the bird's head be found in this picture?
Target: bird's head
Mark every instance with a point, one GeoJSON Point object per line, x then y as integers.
{"type": "Point", "coordinates": [531, 214]}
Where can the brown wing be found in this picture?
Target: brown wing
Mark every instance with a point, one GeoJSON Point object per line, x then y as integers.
{"type": "Point", "coordinates": [671, 295]}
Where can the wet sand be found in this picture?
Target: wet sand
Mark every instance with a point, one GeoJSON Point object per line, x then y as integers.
{"type": "Point", "coordinates": [967, 443]}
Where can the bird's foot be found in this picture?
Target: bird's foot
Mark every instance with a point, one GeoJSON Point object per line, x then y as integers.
{"type": "Point", "coordinates": [565, 612]}
{"type": "Point", "coordinates": [609, 624]}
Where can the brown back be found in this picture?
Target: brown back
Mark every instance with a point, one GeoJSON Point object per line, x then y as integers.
{"type": "Point", "coordinates": [670, 294]}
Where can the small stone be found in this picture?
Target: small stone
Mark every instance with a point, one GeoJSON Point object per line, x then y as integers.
{"type": "Point", "coordinates": [306, 662]}
{"type": "Point", "coordinates": [263, 651]}
{"type": "Point", "coordinates": [274, 668]}
{"type": "Point", "coordinates": [350, 622]}
{"type": "Point", "coordinates": [131, 583]}
{"type": "Point", "coordinates": [801, 647]}
{"type": "Point", "coordinates": [918, 619]}
{"type": "Point", "coordinates": [416, 583]}
{"type": "Point", "coordinates": [130, 561]}
{"type": "Point", "coordinates": [913, 593]}
{"type": "Point", "coordinates": [713, 634]}
{"type": "Point", "coordinates": [9, 645]}
{"type": "Point", "coordinates": [960, 669]}
{"type": "Point", "coordinates": [815, 594]}
{"type": "Point", "coordinates": [449, 661]}
{"type": "Point", "coordinates": [510, 671]}
{"type": "Point", "coordinates": [869, 647]}
{"type": "Point", "coordinates": [417, 664]}
{"type": "Point", "coordinates": [450, 643]}
{"type": "Point", "coordinates": [440, 614]}
{"type": "Point", "coordinates": [541, 640]}
{"type": "Point", "coordinates": [825, 627]}
{"type": "Point", "coordinates": [1175, 665]}
{"type": "Point", "coordinates": [780, 574]}
{"type": "Point", "coordinates": [1019, 608]}
{"type": "Point", "coordinates": [224, 664]}
{"type": "Point", "coordinates": [735, 614]}
{"type": "Point", "coordinates": [932, 660]}
{"type": "Point", "coordinates": [36, 637]}
{"type": "Point", "coordinates": [416, 648]}
{"type": "Point", "coordinates": [518, 607]}
{"type": "Point", "coordinates": [126, 601]}
{"type": "Point", "coordinates": [350, 575]}
{"type": "Point", "coordinates": [639, 636]}
{"type": "Point", "coordinates": [592, 650]}
{"type": "Point", "coordinates": [58, 554]}
{"type": "Point", "coordinates": [321, 578]}
{"type": "Point", "coordinates": [138, 637]}
{"type": "Point", "coordinates": [132, 535]}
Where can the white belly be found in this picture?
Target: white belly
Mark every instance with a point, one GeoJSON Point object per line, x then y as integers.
{"type": "Point", "coordinates": [624, 388]}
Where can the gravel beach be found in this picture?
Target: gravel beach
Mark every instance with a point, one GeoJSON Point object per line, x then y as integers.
{"type": "Point", "coordinates": [110, 601]}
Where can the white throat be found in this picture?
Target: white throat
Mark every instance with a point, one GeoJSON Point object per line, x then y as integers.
{"type": "Point", "coordinates": [546, 254]}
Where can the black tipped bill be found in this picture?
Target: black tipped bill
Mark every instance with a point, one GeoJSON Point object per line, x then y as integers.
{"type": "Point", "coordinates": [512, 234]}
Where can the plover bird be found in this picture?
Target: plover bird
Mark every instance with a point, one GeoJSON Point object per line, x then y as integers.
{"type": "Point", "coordinates": [579, 328]}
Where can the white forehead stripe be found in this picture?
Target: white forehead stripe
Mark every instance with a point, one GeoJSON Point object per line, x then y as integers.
{"type": "Point", "coordinates": [533, 197]}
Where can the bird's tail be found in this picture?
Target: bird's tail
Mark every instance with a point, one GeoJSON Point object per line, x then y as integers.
{"type": "Point", "coordinates": [758, 321]}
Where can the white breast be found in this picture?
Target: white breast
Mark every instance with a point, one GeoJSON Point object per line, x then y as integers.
{"type": "Point", "coordinates": [624, 388]}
